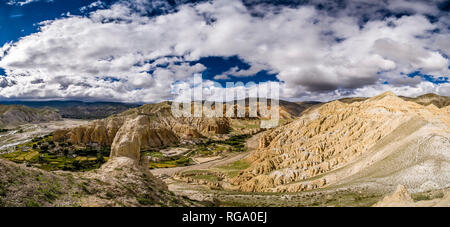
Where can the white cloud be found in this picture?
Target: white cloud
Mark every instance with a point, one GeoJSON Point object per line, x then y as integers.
{"type": "Point", "coordinates": [93, 5]}
{"type": "Point", "coordinates": [25, 2]}
{"type": "Point", "coordinates": [118, 54]}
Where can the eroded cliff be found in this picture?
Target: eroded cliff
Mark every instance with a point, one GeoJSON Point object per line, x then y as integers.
{"type": "Point", "coordinates": [337, 141]}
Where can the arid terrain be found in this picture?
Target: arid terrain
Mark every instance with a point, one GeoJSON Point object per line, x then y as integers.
{"type": "Point", "coordinates": [383, 151]}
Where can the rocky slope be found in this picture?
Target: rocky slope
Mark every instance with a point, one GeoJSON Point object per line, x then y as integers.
{"type": "Point", "coordinates": [13, 115]}
{"type": "Point", "coordinates": [379, 142]}
{"type": "Point", "coordinates": [117, 183]}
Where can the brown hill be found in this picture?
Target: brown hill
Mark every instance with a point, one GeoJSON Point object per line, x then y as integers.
{"type": "Point", "coordinates": [338, 143]}
{"type": "Point", "coordinates": [13, 115]}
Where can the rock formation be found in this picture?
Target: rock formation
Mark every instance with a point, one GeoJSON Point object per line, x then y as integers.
{"type": "Point", "coordinates": [338, 141]}
{"type": "Point", "coordinates": [142, 128]}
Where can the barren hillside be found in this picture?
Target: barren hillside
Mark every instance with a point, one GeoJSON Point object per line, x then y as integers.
{"type": "Point", "coordinates": [115, 184]}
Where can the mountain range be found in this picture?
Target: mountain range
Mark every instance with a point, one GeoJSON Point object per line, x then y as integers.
{"type": "Point", "coordinates": [77, 109]}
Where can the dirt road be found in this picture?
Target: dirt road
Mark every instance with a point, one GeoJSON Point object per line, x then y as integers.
{"type": "Point", "coordinates": [205, 165]}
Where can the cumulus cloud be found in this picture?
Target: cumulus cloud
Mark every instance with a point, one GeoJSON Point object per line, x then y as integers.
{"type": "Point", "coordinates": [237, 72]}
{"type": "Point", "coordinates": [125, 53]}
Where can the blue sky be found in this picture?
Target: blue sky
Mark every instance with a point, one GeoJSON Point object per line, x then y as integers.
{"type": "Point", "coordinates": [135, 51]}
{"type": "Point", "coordinates": [17, 21]}
{"type": "Point", "coordinates": [217, 65]}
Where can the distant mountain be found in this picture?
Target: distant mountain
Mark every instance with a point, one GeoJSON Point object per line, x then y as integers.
{"type": "Point", "coordinates": [430, 98]}
{"type": "Point", "coordinates": [78, 109]}
{"type": "Point", "coordinates": [288, 110]}
{"type": "Point", "coordinates": [424, 100]}
{"type": "Point", "coordinates": [13, 115]}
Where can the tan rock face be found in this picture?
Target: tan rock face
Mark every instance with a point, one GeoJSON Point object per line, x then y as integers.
{"type": "Point", "coordinates": [295, 156]}
{"type": "Point", "coordinates": [101, 132]}
{"type": "Point", "coordinates": [446, 109]}
{"type": "Point", "coordinates": [127, 142]}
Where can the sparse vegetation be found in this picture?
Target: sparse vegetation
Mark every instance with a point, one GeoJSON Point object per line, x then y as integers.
{"type": "Point", "coordinates": [234, 168]}
{"type": "Point", "coordinates": [32, 203]}
{"type": "Point", "coordinates": [145, 201]}
{"type": "Point", "coordinates": [427, 195]}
